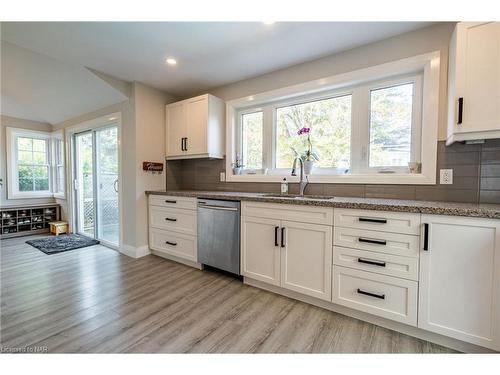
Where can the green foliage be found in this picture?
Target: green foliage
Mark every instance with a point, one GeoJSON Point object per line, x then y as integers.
{"type": "Point", "coordinates": [252, 130]}
{"type": "Point", "coordinates": [330, 124]}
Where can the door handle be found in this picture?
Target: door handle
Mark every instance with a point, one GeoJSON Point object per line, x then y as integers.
{"type": "Point", "coordinates": [460, 110]}
{"type": "Point", "coordinates": [276, 236]}
{"type": "Point", "coordinates": [283, 244]}
{"type": "Point", "coordinates": [426, 237]}
{"type": "Point", "coordinates": [369, 240]}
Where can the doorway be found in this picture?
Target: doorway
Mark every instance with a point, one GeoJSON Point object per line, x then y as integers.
{"type": "Point", "coordinates": [97, 211]}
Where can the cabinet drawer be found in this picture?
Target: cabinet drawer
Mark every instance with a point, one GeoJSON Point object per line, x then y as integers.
{"type": "Point", "coordinates": [174, 202]}
{"type": "Point", "coordinates": [176, 244]}
{"type": "Point", "coordinates": [290, 212]}
{"type": "Point", "coordinates": [385, 264]}
{"type": "Point", "coordinates": [383, 242]}
{"type": "Point", "coordinates": [174, 219]}
{"type": "Point", "coordinates": [396, 222]}
{"type": "Point", "coordinates": [385, 296]}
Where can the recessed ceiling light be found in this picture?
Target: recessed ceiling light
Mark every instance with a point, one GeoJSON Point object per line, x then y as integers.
{"type": "Point", "coordinates": [111, 118]}
{"type": "Point", "coordinates": [171, 61]}
{"type": "Point", "coordinates": [268, 22]}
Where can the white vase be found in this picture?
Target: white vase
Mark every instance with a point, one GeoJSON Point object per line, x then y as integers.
{"type": "Point", "coordinates": [237, 170]}
{"type": "Point", "coordinates": [308, 166]}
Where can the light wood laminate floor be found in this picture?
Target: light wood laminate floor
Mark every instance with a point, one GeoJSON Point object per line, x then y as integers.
{"type": "Point", "coordinates": [95, 300]}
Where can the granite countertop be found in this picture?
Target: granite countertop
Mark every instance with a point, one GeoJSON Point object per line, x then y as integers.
{"type": "Point", "coordinates": [491, 211]}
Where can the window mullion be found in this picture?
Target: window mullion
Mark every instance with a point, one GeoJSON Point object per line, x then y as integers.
{"type": "Point", "coordinates": [360, 131]}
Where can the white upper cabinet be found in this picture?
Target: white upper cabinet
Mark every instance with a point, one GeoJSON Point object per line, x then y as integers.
{"type": "Point", "coordinates": [474, 82]}
{"type": "Point", "coordinates": [460, 279]}
{"type": "Point", "coordinates": [195, 128]}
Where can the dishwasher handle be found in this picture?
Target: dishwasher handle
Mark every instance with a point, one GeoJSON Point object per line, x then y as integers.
{"type": "Point", "coordinates": [221, 208]}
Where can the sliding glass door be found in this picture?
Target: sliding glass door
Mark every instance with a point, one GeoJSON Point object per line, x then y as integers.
{"type": "Point", "coordinates": [96, 182]}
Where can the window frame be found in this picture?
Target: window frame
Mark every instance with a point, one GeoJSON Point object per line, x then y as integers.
{"type": "Point", "coordinates": [58, 141]}
{"type": "Point", "coordinates": [425, 113]}
{"type": "Point", "coordinates": [12, 135]}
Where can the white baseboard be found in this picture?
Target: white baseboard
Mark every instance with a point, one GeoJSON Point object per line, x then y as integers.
{"type": "Point", "coordinates": [382, 322]}
{"type": "Point", "coordinates": [135, 252]}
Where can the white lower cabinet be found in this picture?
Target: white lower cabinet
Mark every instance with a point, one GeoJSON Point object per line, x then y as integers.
{"type": "Point", "coordinates": [459, 293]}
{"type": "Point", "coordinates": [385, 296]}
{"type": "Point", "coordinates": [260, 254]}
{"type": "Point", "coordinates": [306, 259]}
{"type": "Point", "coordinates": [296, 256]}
{"type": "Point", "coordinates": [176, 244]}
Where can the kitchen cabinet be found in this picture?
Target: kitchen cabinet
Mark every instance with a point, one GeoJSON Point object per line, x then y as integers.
{"type": "Point", "coordinates": [172, 227]}
{"type": "Point", "coordinates": [474, 82]}
{"type": "Point", "coordinates": [290, 254]}
{"type": "Point", "coordinates": [306, 259]}
{"type": "Point", "coordinates": [459, 294]}
{"type": "Point", "coordinates": [260, 253]}
{"type": "Point", "coordinates": [195, 128]}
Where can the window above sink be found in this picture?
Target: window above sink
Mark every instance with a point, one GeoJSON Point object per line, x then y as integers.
{"type": "Point", "coordinates": [365, 126]}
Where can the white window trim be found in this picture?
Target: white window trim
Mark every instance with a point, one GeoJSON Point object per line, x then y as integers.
{"type": "Point", "coordinates": [12, 163]}
{"type": "Point", "coordinates": [58, 135]}
{"type": "Point", "coordinates": [428, 64]}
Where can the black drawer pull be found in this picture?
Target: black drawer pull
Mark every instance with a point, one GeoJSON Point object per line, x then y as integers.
{"type": "Point", "coordinates": [371, 220]}
{"type": "Point", "coordinates": [372, 262]}
{"type": "Point", "coordinates": [167, 201]}
{"type": "Point", "coordinates": [170, 219]}
{"type": "Point", "coordinates": [369, 240]}
{"type": "Point", "coordinates": [171, 243]}
{"type": "Point", "coordinates": [276, 236]}
{"type": "Point", "coordinates": [380, 296]}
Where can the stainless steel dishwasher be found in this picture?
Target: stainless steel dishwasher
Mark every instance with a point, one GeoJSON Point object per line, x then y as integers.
{"type": "Point", "coordinates": [219, 234]}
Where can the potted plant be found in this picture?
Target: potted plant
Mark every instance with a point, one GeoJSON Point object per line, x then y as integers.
{"type": "Point", "coordinates": [309, 156]}
{"type": "Point", "coordinates": [237, 165]}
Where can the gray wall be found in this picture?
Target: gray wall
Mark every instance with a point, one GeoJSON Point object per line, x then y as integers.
{"type": "Point", "coordinates": [476, 178]}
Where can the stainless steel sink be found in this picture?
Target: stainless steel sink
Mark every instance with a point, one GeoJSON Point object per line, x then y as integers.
{"type": "Point", "coordinates": [292, 196]}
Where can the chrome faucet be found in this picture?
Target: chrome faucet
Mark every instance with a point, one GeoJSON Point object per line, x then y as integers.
{"type": "Point", "coordinates": [303, 183]}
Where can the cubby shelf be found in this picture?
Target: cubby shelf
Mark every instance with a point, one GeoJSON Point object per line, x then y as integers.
{"type": "Point", "coordinates": [27, 220]}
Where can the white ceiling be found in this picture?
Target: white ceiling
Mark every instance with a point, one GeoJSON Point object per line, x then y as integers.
{"type": "Point", "coordinates": [208, 54]}
{"type": "Point", "coordinates": [40, 88]}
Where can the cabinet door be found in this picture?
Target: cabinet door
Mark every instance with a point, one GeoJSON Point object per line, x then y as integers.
{"type": "Point", "coordinates": [478, 76]}
{"type": "Point", "coordinates": [459, 292]}
{"type": "Point", "coordinates": [260, 254]}
{"type": "Point", "coordinates": [306, 259]}
{"type": "Point", "coordinates": [197, 121]}
{"type": "Point", "coordinates": [176, 129]}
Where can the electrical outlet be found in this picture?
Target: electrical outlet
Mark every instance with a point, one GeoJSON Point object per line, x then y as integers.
{"type": "Point", "coordinates": [222, 177]}
{"type": "Point", "coordinates": [446, 176]}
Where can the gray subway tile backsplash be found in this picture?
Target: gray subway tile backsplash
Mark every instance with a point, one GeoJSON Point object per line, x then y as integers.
{"type": "Point", "coordinates": [476, 178]}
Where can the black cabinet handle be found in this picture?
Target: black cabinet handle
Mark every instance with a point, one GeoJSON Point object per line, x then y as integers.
{"type": "Point", "coordinates": [276, 236]}
{"type": "Point", "coordinates": [283, 244]}
{"type": "Point", "coordinates": [372, 262]}
{"type": "Point", "coordinates": [186, 144]}
{"type": "Point", "coordinates": [371, 220]}
{"type": "Point", "coordinates": [369, 240]}
{"type": "Point", "coordinates": [167, 201]}
{"type": "Point", "coordinates": [182, 144]}
{"type": "Point", "coordinates": [380, 296]}
{"type": "Point", "coordinates": [426, 237]}
{"type": "Point", "coordinates": [170, 219]}
{"type": "Point", "coordinates": [171, 243]}
{"type": "Point", "coordinates": [460, 110]}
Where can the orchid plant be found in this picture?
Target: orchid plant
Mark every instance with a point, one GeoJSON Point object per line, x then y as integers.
{"type": "Point", "coordinates": [309, 154]}
{"type": "Point", "coordinates": [237, 161]}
